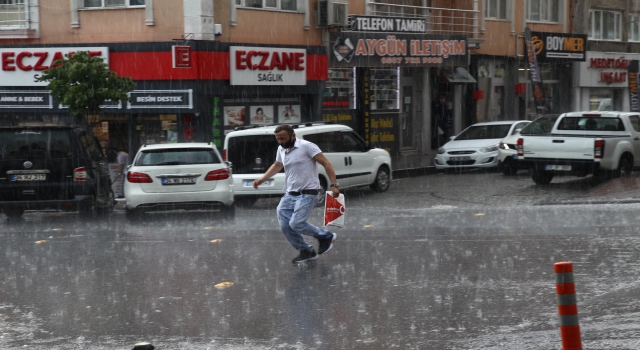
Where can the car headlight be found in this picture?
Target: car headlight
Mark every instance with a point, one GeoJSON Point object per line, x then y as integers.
{"type": "Point", "coordinates": [491, 148]}
{"type": "Point", "coordinates": [441, 151]}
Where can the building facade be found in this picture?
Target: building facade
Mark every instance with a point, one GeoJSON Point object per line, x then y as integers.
{"type": "Point", "coordinates": [613, 31]}
{"type": "Point", "coordinates": [197, 75]}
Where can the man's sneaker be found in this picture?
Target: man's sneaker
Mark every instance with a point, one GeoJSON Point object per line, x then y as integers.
{"type": "Point", "coordinates": [305, 255]}
{"type": "Point", "coordinates": [325, 245]}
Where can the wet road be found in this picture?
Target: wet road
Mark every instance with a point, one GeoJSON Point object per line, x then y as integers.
{"type": "Point", "coordinates": [461, 261]}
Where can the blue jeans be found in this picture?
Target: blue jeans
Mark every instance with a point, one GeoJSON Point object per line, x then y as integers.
{"type": "Point", "coordinates": [293, 212]}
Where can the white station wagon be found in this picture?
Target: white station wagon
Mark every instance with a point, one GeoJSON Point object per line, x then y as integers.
{"type": "Point", "coordinates": [252, 151]}
{"type": "Point", "coordinates": [173, 176]}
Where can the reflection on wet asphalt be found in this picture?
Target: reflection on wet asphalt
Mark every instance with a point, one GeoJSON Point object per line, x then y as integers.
{"type": "Point", "coordinates": [458, 270]}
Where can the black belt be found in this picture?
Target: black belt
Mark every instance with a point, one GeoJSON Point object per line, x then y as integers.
{"type": "Point", "coordinates": [303, 192]}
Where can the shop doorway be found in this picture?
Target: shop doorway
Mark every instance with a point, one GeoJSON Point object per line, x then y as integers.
{"type": "Point", "coordinates": [410, 128]}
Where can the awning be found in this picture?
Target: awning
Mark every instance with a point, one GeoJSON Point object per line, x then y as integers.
{"type": "Point", "coordinates": [457, 75]}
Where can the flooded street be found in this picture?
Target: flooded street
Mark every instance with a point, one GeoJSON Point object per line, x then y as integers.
{"type": "Point", "coordinates": [457, 261]}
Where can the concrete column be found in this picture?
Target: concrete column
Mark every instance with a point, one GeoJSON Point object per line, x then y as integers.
{"type": "Point", "coordinates": [198, 19]}
{"type": "Point", "coordinates": [457, 109]}
{"type": "Point", "coordinates": [425, 104]}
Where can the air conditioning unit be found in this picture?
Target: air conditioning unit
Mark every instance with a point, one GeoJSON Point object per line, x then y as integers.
{"type": "Point", "coordinates": [332, 13]}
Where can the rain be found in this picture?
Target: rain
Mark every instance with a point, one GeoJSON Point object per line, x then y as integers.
{"type": "Point", "coordinates": [431, 256]}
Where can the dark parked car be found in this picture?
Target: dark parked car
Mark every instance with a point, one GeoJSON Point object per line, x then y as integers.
{"type": "Point", "coordinates": [53, 167]}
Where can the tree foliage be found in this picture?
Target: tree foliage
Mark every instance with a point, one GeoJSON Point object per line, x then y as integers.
{"type": "Point", "coordinates": [84, 83]}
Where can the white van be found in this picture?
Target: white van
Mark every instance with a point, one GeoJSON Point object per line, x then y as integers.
{"type": "Point", "coordinates": [251, 152]}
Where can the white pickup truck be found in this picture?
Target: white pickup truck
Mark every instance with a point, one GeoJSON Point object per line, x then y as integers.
{"type": "Point", "coordinates": [581, 143]}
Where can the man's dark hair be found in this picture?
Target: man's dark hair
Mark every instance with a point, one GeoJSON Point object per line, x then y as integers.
{"type": "Point", "coordinates": [285, 127]}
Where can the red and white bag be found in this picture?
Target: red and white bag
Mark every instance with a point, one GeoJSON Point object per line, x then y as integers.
{"type": "Point", "coordinates": [334, 210]}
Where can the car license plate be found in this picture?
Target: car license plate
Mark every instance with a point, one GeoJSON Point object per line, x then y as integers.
{"type": "Point", "coordinates": [557, 167]}
{"type": "Point", "coordinates": [459, 159]}
{"type": "Point", "coordinates": [178, 180]}
{"type": "Point", "coordinates": [28, 177]}
{"type": "Point", "coordinates": [249, 183]}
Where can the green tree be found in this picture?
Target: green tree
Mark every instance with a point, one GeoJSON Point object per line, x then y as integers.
{"type": "Point", "coordinates": [85, 82]}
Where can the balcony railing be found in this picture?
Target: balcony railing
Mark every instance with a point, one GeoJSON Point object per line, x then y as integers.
{"type": "Point", "coordinates": [14, 16]}
{"type": "Point", "coordinates": [438, 20]}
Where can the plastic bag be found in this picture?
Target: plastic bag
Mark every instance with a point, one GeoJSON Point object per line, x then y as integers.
{"type": "Point", "coordinates": [334, 210]}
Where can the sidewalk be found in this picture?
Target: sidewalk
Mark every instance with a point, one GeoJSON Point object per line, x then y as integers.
{"type": "Point", "coordinates": [412, 165]}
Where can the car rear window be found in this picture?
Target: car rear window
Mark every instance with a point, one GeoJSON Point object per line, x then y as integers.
{"type": "Point", "coordinates": [177, 156]}
{"type": "Point", "coordinates": [252, 154]}
{"type": "Point", "coordinates": [591, 124]}
{"type": "Point", "coordinates": [540, 126]}
{"type": "Point", "coordinates": [479, 132]}
{"type": "Point", "coordinates": [27, 143]}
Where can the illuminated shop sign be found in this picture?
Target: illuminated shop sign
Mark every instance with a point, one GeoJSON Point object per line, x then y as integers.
{"type": "Point", "coordinates": [19, 66]}
{"type": "Point", "coordinates": [559, 46]}
{"type": "Point", "coordinates": [351, 49]}
{"type": "Point", "coordinates": [26, 99]}
{"type": "Point", "coordinates": [604, 69]}
{"type": "Point", "coordinates": [161, 99]}
{"type": "Point", "coordinates": [267, 66]}
{"type": "Point", "coordinates": [386, 24]}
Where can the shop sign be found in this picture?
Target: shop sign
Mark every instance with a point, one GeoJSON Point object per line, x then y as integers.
{"type": "Point", "coordinates": [267, 66]}
{"type": "Point", "coordinates": [559, 46]}
{"type": "Point", "coordinates": [603, 69]}
{"type": "Point", "coordinates": [20, 66]}
{"type": "Point", "coordinates": [386, 24]}
{"type": "Point", "coordinates": [534, 73]}
{"type": "Point", "coordinates": [160, 99]}
{"type": "Point", "coordinates": [26, 99]}
{"type": "Point", "coordinates": [353, 49]}
{"type": "Point", "coordinates": [634, 99]}
{"type": "Point", "coordinates": [181, 56]}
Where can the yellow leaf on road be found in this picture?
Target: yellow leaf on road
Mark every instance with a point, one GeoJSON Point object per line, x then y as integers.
{"type": "Point", "coordinates": [367, 226]}
{"type": "Point", "coordinates": [216, 240]}
{"type": "Point", "coordinates": [41, 241]}
{"type": "Point", "coordinates": [208, 227]}
{"type": "Point", "coordinates": [224, 285]}
{"type": "Point", "coordinates": [480, 214]}
{"type": "Point", "coordinates": [57, 229]}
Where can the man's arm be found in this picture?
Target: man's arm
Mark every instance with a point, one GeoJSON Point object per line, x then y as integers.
{"type": "Point", "coordinates": [328, 167]}
{"type": "Point", "coordinates": [275, 168]}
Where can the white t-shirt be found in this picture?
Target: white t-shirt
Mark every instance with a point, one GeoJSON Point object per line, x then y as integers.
{"type": "Point", "coordinates": [123, 158]}
{"type": "Point", "coordinates": [300, 169]}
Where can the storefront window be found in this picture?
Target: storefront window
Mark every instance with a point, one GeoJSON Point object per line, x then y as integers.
{"type": "Point", "coordinates": [384, 91]}
{"type": "Point", "coordinates": [600, 99]}
{"type": "Point", "coordinates": [339, 89]}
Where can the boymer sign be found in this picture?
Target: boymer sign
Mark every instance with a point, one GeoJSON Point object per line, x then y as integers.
{"type": "Point", "coordinates": [267, 66]}
{"type": "Point", "coordinates": [386, 24]}
{"type": "Point", "coordinates": [559, 46]}
{"type": "Point", "coordinates": [353, 49]}
{"type": "Point", "coordinates": [634, 72]}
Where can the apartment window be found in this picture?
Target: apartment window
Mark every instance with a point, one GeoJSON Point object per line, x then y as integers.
{"type": "Point", "coordinates": [112, 3]}
{"type": "Point", "coordinates": [605, 25]}
{"type": "Point", "coordinates": [13, 14]}
{"type": "Point", "coordinates": [495, 9]}
{"type": "Point", "coordinates": [634, 27]}
{"type": "Point", "coordinates": [544, 10]}
{"type": "Point", "coordinates": [285, 5]}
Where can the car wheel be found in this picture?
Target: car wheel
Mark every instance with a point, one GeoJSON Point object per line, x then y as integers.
{"type": "Point", "coordinates": [509, 167]}
{"type": "Point", "coordinates": [245, 202]}
{"type": "Point", "coordinates": [133, 214]}
{"type": "Point", "coordinates": [625, 167]}
{"type": "Point", "coordinates": [86, 207]}
{"type": "Point", "coordinates": [382, 181]}
{"type": "Point", "coordinates": [541, 177]}
{"type": "Point", "coordinates": [108, 206]}
{"type": "Point", "coordinates": [13, 213]}
{"type": "Point", "coordinates": [228, 212]}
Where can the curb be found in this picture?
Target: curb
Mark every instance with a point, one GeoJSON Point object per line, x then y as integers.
{"type": "Point", "coordinates": [412, 172]}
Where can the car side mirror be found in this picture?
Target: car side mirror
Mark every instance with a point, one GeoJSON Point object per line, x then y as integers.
{"type": "Point", "coordinates": [451, 138]}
